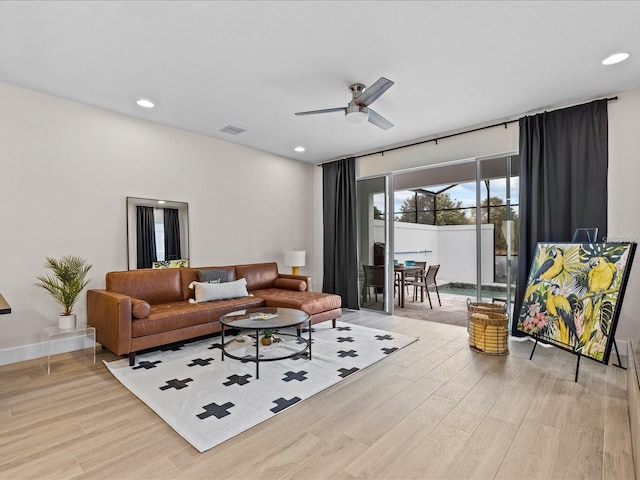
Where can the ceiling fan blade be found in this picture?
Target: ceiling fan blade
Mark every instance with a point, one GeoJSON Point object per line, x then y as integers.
{"type": "Point", "coordinates": [378, 120]}
{"type": "Point", "coordinates": [372, 93]}
{"type": "Point", "coordinates": [326, 110]}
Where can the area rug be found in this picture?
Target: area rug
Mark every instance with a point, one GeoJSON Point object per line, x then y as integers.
{"type": "Point", "coordinates": [208, 401]}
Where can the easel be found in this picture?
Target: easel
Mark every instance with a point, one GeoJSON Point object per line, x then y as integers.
{"type": "Point", "coordinates": [579, 355]}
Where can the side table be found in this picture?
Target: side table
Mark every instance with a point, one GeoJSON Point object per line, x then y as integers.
{"type": "Point", "coordinates": [81, 336]}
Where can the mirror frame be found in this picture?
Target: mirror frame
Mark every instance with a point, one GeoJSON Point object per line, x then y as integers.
{"type": "Point", "coordinates": [183, 213]}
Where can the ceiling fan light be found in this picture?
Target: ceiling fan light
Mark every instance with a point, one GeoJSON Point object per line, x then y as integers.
{"type": "Point", "coordinates": [358, 116]}
{"type": "Point", "coordinates": [615, 58]}
{"type": "Point", "coordinates": [145, 103]}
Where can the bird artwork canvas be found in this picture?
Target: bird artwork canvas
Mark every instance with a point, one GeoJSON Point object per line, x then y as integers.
{"type": "Point", "coordinates": [574, 295]}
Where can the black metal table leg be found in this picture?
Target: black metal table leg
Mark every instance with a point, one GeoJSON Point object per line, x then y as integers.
{"type": "Point", "coordinates": [309, 338]}
{"type": "Point", "coordinates": [257, 354]}
{"type": "Point", "coordinates": [222, 344]}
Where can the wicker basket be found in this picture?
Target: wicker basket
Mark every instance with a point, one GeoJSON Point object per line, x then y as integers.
{"type": "Point", "coordinates": [484, 308]}
{"type": "Point", "coordinates": [489, 333]}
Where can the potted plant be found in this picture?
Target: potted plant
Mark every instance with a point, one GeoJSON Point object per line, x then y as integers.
{"type": "Point", "coordinates": [65, 284]}
{"type": "Point", "coordinates": [266, 336]}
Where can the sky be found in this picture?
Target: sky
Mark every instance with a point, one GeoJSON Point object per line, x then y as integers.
{"type": "Point", "coordinates": [465, 192]}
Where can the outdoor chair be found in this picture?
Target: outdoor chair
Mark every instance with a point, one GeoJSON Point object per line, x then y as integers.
{"type": "Point", "coordinates": [424, 282]}
{"type": "Point", "coordinates": [373, 278]}
{"type": "Point", "coordinates": [415, 276]}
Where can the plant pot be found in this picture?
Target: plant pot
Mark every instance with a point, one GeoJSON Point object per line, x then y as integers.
{"type": "Point", "coordinates": [65, 322]}
{"type": "Point", "coordinates": [266, 340]}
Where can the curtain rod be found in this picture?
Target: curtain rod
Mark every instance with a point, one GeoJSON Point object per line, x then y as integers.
{"type": "Point", "coordinates": [382, 152]}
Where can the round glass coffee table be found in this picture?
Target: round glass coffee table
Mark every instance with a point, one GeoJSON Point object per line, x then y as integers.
{"type": "Point", "coordinates": [267, 318]}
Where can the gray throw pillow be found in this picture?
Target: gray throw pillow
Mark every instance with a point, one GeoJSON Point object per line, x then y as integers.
{"type": "Point", "coordinates": [213, 276]}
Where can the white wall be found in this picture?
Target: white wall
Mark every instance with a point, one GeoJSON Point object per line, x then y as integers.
{"type": "Point", "coordinates": [413, 237]}
{"type": "Point", "coordinates": [623, 191]}
{"type": "Point", "coordinates": [457, 253]}
{"type": "Point", "coordinates": [67, 168]}
{"type": "Point", "coordinates": [453, 247]}
{"type": "Point", "coordinates": [624, 198]}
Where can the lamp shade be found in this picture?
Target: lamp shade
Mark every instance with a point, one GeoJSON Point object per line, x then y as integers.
{"type": "Point", "coordinates": [294, 258]}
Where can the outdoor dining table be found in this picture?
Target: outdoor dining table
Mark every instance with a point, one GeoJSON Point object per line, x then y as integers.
{"type": "Point", "coordinates": [401, 272]}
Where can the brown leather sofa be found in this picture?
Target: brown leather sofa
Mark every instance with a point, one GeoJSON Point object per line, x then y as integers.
{"type": "Point", "coordinates": [141, 309]}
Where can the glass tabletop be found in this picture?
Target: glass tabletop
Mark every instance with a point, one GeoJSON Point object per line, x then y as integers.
{"type": "Point", "coordinates": [263, 318]}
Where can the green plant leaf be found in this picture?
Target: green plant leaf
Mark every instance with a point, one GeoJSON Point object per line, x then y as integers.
{"type": "Point", "coordinates": [67, 280]}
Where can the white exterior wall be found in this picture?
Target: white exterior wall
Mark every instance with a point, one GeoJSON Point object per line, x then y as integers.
{"type": "Point", "coordinates": [457, 253]}
{"type": "Point", "coordinates": [453, 247]}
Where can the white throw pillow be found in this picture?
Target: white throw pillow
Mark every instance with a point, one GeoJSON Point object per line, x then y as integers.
{"type": "Point", "coordinates": [208, 292]}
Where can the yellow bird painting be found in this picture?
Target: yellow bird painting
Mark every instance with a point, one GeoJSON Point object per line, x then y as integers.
{"type": "Point", "coordinates": [559, 307]}
{"type": "Point", "coordinates": [601, 274]}
{"type": "Point", "coordinates": [551, 268]}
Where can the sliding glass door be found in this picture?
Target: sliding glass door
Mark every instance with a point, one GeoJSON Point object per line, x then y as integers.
{"type": "Point", "coordinates": [497, 222]}
{"type": "Point", "coordinates": [462, 216]}
{"type": "Point", "coordinates": [374, 237]}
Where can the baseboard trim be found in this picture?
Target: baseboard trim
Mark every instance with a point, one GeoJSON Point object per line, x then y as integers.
{"type": "Point", "coordinates": [38, 350]}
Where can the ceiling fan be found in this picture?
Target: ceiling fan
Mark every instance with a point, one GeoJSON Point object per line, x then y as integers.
{"type": "Point", "coordinates": [358, 109]}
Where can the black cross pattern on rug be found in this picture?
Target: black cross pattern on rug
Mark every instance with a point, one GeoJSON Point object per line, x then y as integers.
{"type": "Point", "coordinates": [347, 353]}
{"type": "Point", "coordinates": [384, 337]}
{"type": "Point", "coordinates": [201, 362]}
{"type": "Point", "coordinates": [345, 339]}
{"type": "Point", "coordinates": [174, 347]}
{"type": "Point", "coordinates": [344, 329]}
{"type": "Point", "coordinates": [300, 356]}
{"type": "Point", "coordinates": [300, 340]}
{"type": "Point", "coordinates": [345, 372]}
{"type": "Point", "coordinates": [282, 403]}
{"type": "Point", "coordinates": [237, 380]}
{"type": "Point", "coordinates": [250, 358]}
{"type": "Point", "coordinates": [306, 330]}
{"type": "Point", "coordinates": [215, 346]}
{"type": "Point", "coordinates": [146, 365]}
{"type": "Point", "coordinates": [177, 384]}
{"type": "Point", "coordinates": [301, 376]}
{"type": "Point", "coordinates": [215, 410]}
{"type": "Point", "coordinates": [389, 350]}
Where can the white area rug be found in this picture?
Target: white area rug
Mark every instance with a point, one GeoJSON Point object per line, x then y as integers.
{"type": "Point", "coordinates": [208, 401]}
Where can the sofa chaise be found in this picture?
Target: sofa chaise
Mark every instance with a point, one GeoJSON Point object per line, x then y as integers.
{"type": "Point", "coordinates": [142, 309]}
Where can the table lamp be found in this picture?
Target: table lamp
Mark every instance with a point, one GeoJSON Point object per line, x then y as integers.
{"type": "Point", "coordinates": [294, 259]}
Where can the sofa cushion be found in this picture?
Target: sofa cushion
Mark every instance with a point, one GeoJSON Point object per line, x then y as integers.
{"type": "Point", "coordinates": [189, 275]}
{"type": "Point", "coordinates": [140, 308]}
{"type": "Point", "coordinates": [290, 284]}
{"type": "Point", "coordinates": [215, 275]}
{"type": "Point", "coordinates": [258, 275]}
{"type": "Point", "coordinates": [207, 292]}
{"type": "Point", "coordinates": [153, 286]}
{"type": "Point", "coordinates": [178, 315]}
{"type": "Point", "coordinates": [309, 302]}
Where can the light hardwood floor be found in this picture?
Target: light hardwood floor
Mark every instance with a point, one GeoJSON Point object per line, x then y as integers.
{"type": "Point", "coordinates": [432, 410]}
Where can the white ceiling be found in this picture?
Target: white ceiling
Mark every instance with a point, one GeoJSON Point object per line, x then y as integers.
{"type": "Point", "coordinates": [205, 64]}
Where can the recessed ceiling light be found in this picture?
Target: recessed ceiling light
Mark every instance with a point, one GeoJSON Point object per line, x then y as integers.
{"type": "Point", "coordinates": [161, 202]}
{"type": "Point", "coordinates": [143, 102]}
{"type": "Point", "coordinates": [299, 149]}
{"type": "Point", "coordinates": [615, 58]}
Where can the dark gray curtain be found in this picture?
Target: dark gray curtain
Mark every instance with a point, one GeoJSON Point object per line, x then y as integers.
{"type": "Point", "coordinates": [146, 237]}
{"type": "Point", "coordinates": [171, 234]}
{"type": "Point", "coordinates": [339, 210]}
{"type": "Point", "coordinates": [563, 180]}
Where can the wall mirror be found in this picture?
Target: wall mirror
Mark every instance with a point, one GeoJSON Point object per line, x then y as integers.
{"type": "Point", "coordinates": [157, 231]}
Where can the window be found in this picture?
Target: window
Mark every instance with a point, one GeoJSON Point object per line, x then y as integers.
{"type": "Point", "coordinates": [158, 217]}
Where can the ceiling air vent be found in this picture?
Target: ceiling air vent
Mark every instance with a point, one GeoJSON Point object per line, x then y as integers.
{"type": "Point", "coordinates": [232, 129]}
